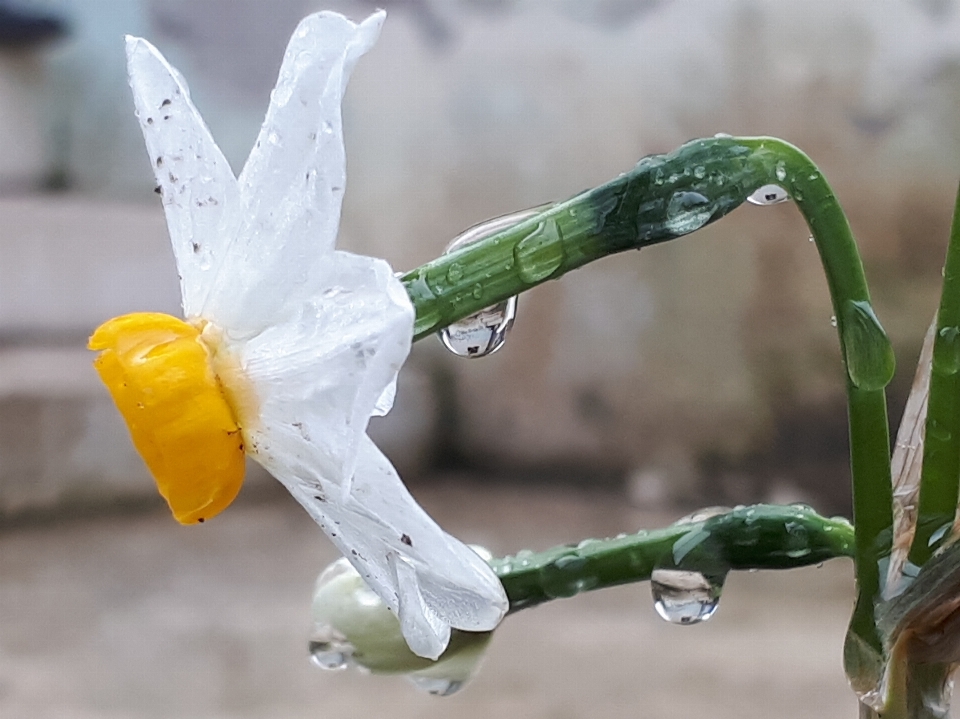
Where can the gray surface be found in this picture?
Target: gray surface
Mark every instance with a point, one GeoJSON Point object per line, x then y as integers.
{"type": "Point", "coordinates": [138, 617]}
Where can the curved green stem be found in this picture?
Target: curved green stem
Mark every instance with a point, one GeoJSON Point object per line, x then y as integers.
{"type": "Point", "coordinates": [668, 196]}
{"type": "Point", "coordinates": [754, 537]}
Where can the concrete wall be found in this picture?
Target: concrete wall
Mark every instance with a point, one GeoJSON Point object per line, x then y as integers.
{"type": "Point", "coordinates": [706, 367]}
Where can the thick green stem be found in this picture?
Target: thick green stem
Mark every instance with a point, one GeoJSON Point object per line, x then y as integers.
{"type": "Point", "coordinates": [663, 197]}
{"type": "Point", "coordinates": [755, 537]}
{"type": "Point", "coordinates": [668, 196]}
{"type": "Point", "coordinates": [941, 450]}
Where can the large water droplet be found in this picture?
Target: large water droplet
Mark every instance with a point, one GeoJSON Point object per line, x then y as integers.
{"type": "Point", "coordinates": [483, 332]}
{"type": "Point", "coordinates": [437, 686]}
{"type": "Point", "coordinates": [540, 253]}
{"type": "Point", "coordinates": [687, 211]}
{"type": "Point", "coordinates": [769, 195]}
{"type": "Point", "coordinates": [946, 352]}
{"type": "Point", "coordinates": [869, 355]}
{"type": "Point", "coordinates": [684, 597]}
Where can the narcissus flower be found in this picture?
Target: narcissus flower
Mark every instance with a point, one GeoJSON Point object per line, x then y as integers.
{"type": "Point", "coordinates": [288, 345]}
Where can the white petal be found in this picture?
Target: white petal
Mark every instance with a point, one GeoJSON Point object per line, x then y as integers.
{"type": "Point", "coordinates": [433, 581]}
{"type": "Point", "coordinates": [201, 197]}
{"type": "Point", "coordinates": [293, 181]}
{"type": "Point", "coordinates": [385, 401]}
{"type": "Point", "coordinates": [323, 369]}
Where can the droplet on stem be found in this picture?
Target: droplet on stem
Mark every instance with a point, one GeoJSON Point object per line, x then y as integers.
{"type": "Point", "coordinates": [768, 195]}
{"type": "Point", "coordinates": [483, 332]}
{"type": "Point", "coordinates": [687, 211]}
{"type": "Point", "coordinates": [684, 597]}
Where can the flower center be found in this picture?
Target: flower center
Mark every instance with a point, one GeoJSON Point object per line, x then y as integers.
{"type": "Point", "coordinates": [161, 375]}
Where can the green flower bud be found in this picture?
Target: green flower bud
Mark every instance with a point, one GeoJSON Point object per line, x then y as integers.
{"type": "Point", "coordinates": [353, 627]}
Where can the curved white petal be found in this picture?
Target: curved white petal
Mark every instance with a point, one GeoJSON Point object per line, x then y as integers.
{"type": "Point", "coordinates": [292, 184]}
{"type": "Point", "coordinates": [201, 197]}
{"type": "Point", "coordinates": [323, 370]}
{"type": "Point", "coordinates": [432, 580]}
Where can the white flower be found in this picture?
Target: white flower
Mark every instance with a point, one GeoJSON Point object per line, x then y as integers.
{"type": "Point", "coordinates": [289, 346]}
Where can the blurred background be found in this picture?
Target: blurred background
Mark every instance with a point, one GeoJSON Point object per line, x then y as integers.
{"type": "Point", "coordinates": [703, 371]}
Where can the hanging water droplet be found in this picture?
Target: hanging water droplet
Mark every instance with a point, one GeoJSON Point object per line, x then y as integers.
{"type": "Point", "coordinates": [687, 211]}
{"type": "Point", "coordinates": [867, 350]}
{"type": "Point", "coordinates": [833, 320]}
{"type": "Point", "coordinates": [483, 332]}
{"type": "Point", "coordinates": [684, 597]}
{"type": "Point", "coordinates": [540, 253]}
{"type": "Point", "coordinates": [769, 195]}
{"type": "Point", "coordinates": [331, 656]}
{"type": "Point", "coordinates": [436, 686]}
{"type": "Point", "coordinates": [781, 171]}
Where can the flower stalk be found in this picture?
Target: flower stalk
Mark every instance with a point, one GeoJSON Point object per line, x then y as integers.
{"type": "Point", "coordinates": [762, 536]}
{"type": "Point", "coordinates": [668, 196]}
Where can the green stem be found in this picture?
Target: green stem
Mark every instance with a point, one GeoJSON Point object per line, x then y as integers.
{"type": "Point", "coordinates": [940, 478]}
{"type": "Point", "coordinates": [755, 537]}
{"type": "Point", "coordinates": [663, 197]}
{"type": "Point", "coordinates": [668, 196]}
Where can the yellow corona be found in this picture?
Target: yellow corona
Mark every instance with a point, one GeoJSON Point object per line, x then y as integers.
{"type": "Point", "coordinates": [160, 373]}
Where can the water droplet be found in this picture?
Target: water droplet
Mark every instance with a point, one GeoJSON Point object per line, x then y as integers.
{"type": "Point", "coordinates": [569, 563]}
{"type": "Point", "coordinates": [455, 273]}
{"type": "Point", "coordinates": [938, 431]}
{"type": "Point", "coordinates": [684, 597]}
{"type": "Point", "coordinates": [331, 656]}
{"type": "Point", "coordinates": [810, 239]}
{"type": "Point", "coordinates": [687, 211]}
{"type": "Point", "coordinates": [540, 253]}
{"type": "Point", "coordinates": [769, 195]}
{"type": "Point", "coordinates": [723, 136]}
{"type": "Point", "coordinates": [869, 355]}
{"type": "Point", "coordinates": [701, 515]}
{"type": "Point", "coordinates": [946, 353]}
{"type": "Point", "coordinates": [781, 171]}
{"type": "Point", "coordinates": [273, 138]}
{"type": "Point", "coordinates": [436, 686]}
{"type": "Point", "coordinates": [329, 648]}
{"type": "Point", "coordinates": [833, 320]}
{"type": "Point", "coordinates": [483, 332]}
{"type": "Point", "coordinates": [699, 172]}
